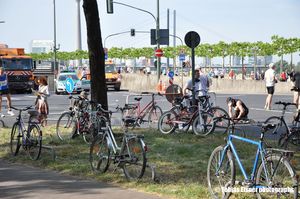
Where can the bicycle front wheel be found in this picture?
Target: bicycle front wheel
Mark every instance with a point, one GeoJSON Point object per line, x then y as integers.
{"type": "Point", "coordinates": [220, 173]}
{"type": "Point", "coordinates": [275, 137]}
{"type": "Point", "coordinates": [205, 126]}
{"type": "Point", "coordinates": [279, 174]}
{"type": "Point", "coordinates": [134, 159]}
{"type": "Point", "coordinates": [166, 122]}
{"type": "Point", "coordinates": [66, 126]}
{"type": "Point", "coordinates": [34, 142]}
{"type": "Point", "coordinates": [222, 124]}
{"type": "Point", "coordinates": [100, 154]}
{"type": "Point", "coordinates": [154, 116]}
{"type": "Point", "coordinates": [15, 137]}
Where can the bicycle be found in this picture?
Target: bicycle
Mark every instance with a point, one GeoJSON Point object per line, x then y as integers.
{"type": "Point", "coordinates": [30, 137]}
{"type": "Point", "coordinates": [271, 169]}
{"type": "Point", "coordinates": [281, 127]}
{"type": "Point", "coordinates": [130, 156]}
{"type": "Point", "coordinates": [137, 115]}
{"type": "Point", "coordinates": [75, 122]}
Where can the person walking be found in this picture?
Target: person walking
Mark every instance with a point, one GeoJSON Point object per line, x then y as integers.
{"type": "Point", "coordinates": [270, 79]}
{"type": "Point", "coordinates": [5, 91]}
{"type": "Point", "coordinates": [295, 78]}
{"type": "Point", "coordinates": [41, 103]}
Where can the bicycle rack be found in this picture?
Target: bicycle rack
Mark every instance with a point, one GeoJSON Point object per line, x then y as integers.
{"type": "Point", "coordinates": [52, 151]}
{"type": "Point", "coordinates": [153, 172]}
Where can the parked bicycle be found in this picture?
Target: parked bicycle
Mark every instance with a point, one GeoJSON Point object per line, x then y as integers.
{"type": "Point", "coordinates": [76, 121]}
{"type": "Point", "coordinates": [149, 114]}
{"type": "Point", "coordinates": [29, 137]}
{"type": "Point", "coordinates": [129, 155]}
{"type": "Point", "coordinates": [271, 169]}
{"type": "Point", "coordinates": [183, 115]}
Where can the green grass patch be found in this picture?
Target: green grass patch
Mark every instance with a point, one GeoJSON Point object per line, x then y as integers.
{"type": "Point", "coordinates": [180, 161]}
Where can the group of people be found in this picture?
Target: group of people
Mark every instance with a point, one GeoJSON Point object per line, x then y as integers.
{"type": "Point", "coordinates": [41, 103]}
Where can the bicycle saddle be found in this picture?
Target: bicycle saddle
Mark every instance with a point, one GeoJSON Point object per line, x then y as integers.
{"type": "Point", "coordinates": [137, 98]}
{"type": "Point", "coordinates": [267, 126]}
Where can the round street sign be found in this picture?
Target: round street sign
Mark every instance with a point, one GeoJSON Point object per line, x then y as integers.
{"type": "Point", "coordinates": [171, 74]}
{"type": "Point", "coordinates": [158, 52]}
{"type": "Point", "coordinates": [192, 39]}
{"type": "Point", "coordinates": [69, 85]}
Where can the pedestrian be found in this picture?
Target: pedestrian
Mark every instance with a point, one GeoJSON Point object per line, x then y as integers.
{"type": "Point", "coordinates": [201, 83]}
{"type": "Point", "coordinates": [270, 85]}
{"type": "Point", "coordinates": [295, 77]}
{"type": "Point", "coordinates": [41, 103]}
{"type": "Point", "coordinates": [237, 109]}
{"type": "Point", "coordinates": [4, 90]}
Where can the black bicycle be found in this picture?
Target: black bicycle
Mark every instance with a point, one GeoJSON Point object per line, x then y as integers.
{"type": "Point", "coordinates": [30, 137]}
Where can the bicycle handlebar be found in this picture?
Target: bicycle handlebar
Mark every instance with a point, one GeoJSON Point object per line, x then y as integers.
{"type": "Point", "coordinates": [285, 103]}
{"type": "Point", "coordinates": [22, 109]}
{"type": "Point", "coordinates": [152, 93]}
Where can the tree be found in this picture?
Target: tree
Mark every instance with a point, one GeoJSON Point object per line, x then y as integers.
{"type": "Point", "coordinates": [95, 52]}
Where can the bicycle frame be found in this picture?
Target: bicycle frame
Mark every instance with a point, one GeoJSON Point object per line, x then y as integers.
{"type": "Point", "coordinates": [259, 153]}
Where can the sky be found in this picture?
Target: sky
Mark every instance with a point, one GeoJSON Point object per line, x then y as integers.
{"type": "Point", "coordinates": [213, 20]}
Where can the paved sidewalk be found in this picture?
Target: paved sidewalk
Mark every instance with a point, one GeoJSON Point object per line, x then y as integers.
{"type": "Point", "coordinates": [17, 181]}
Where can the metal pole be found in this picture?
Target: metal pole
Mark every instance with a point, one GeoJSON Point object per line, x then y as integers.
{"type": "Point", "coordinates": [78, 31]}
{"type": "Point", "coordinates": [157, 40]}
{"type": "Point", "coordinates": [2, 21]}
{"type": "Point", "coordinates": [54, 47]}
{"type": "Point", "coordinates": [193, 75]}
{"type": "Point", "coordinates": [168, 27]}
{"type": "Point", "coordinates": [174, 33]}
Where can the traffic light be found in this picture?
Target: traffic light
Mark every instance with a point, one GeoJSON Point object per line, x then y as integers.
{"type": "Point", "coordinates": [109, 6]}
{"type": "Point", "coordinates": [132, 32]}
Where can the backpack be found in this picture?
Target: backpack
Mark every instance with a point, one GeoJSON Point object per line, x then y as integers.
{"type": "Point", "coordinates": [297, 81]}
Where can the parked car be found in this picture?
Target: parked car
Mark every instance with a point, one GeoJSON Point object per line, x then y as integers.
{"type": "Point", "coordinates": [112, 77]}
{"type": "Point", "coordinates": [60, 82]}
{"type": "Point", "coordinates": [85, 83]}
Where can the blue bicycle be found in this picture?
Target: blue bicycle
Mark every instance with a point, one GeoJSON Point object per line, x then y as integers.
{"type": "Point", "coordinates": [272, 174]}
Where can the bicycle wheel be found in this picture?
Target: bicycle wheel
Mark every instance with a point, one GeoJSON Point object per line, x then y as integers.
{"type": "Point", "coordinates": [100, 154]}
{"type": "Point", "coordinates": [274, 137]}
{"type": "Point", "coordinates": [280, 175]}
{"type": "Point", "coordinates": [66, 126]}
{"type": "Point", "coordinates": [134, 159]}
{"type": "Point", "coordinates": [154, 116]}
{"type": "Point", "coordinates": [166, 123]}
{"type": "Point", "coordinates": [222, 124]}
{"type": "Point", "coordinates": [205, 126]}
{"type": "Point", "coordinates": [34, 142]}
{"type": "Point", "coordinates": [15, 137]}
{"type": "Point", "coordinates": [292, 142]}
{"type": "Point", "coordinates": [220, 177]}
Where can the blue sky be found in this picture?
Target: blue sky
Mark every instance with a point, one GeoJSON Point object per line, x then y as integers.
{"type": "Point", "coordinates": [214, 20]}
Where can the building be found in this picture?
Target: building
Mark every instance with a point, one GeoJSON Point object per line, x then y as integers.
{"type": "Point", "coordinates": [41, 46]}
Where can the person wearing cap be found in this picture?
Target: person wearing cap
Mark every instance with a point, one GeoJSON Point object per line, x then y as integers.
{"type": "Point", "coordinates": [270, 79]}
{"type": "Point", "coordinates": [237, 109]}
{"type": "Point", "coordinates": [201, 83]}
{"type": "Point", "coordinates": [4, 90]}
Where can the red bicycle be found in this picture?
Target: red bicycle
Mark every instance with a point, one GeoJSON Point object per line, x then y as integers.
{"type": "Point", "coordinates": [135, 115]}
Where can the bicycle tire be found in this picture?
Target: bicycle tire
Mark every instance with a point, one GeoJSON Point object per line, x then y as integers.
{"type": "Point", "coordinates": [134, 159]}
{"type": "Point", "coordinates": [15, 139]}
{"type": "Point", "coordinates": [165, 122]}
{"type": "Point", "coordinates": [276, 167]}
{"type": "Point", "coordinates": [227, 169]}
{"type": "Point", "coordinates": [34, 142]}
{"type": "Point", "coordinates": [222, 124]}
{"type": "Point", "coordinates": [292, 142]}
{"type": "Point", "coordinates": [207, 127]}
{"type": "Point", "coordinates": [66, 126]}
{"type": "Point", "coordinates": [100, 154]}
{"type": "Point", "coordinates": [154, 115]}
{"type": "Point", "coordinates": [280, 130]}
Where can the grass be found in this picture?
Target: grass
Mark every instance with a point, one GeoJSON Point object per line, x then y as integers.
{"type": "Point", "coordinates": [180, 161]}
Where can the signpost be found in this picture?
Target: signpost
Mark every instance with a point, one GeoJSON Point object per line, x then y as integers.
{"type": "Point", "coordinates": [69, 85]}
{"type": "Point", "coordinates": [192, 40]}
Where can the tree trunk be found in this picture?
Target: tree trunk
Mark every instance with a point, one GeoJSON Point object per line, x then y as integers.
{"type": "Point", "coordinates": [96, 53]}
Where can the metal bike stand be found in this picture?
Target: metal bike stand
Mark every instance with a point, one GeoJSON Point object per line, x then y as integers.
{"type": "Point", "coordinates": [51, 150]}
{"type": "Point", "coordinates": [2, 124]}
{"type": "Point", "coordinates": [153, 172]}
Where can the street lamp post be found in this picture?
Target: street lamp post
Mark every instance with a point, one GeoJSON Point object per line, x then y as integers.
{"type": "Point", "coordinates": [2, 21]}
{"type": "Point", "coordinates": [54, 41]}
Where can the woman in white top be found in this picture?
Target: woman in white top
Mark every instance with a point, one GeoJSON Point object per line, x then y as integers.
{"type": "Point", "coordinates": [270, 79]}
{"type": "Point", "coordinates": [42, 103]}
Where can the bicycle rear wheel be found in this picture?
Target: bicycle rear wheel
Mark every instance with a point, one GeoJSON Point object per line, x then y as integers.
{"type": "Point", "coordinates": [154, 116]}
{"type": "Point", "coordinates": [99, 154]}
{"type": "Point", "coordinates": [275, 136]}
{"type": "Point", "coordinates": [280, 174]}
{"type": "Point", "coordinates": [292, 142]}
{"type": "Point", "coordinates": [206, 127]}
{"type": "Point", "coordinates": [34, 142]}
{"type": "Point", "coordinates": [222, 124]}
{"type": "Point", "coordinates": [15, 137]}
{"type": "Point", "coordinates": [166, 123]}
{"type": "Point", "coordinates": [133, 159]}
{"type": "Point", "coordinates": [220, 175]}
{"type": "Point", "coordinates": [66, 126]}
